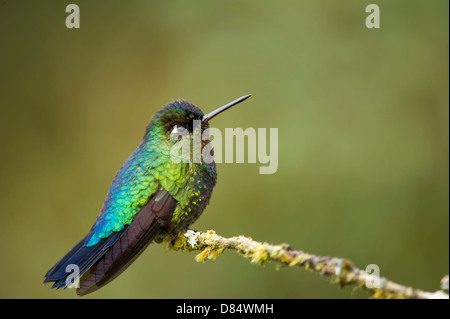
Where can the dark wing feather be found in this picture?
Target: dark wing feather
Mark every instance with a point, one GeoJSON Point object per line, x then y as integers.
{"type": "Point", "coordinates": [106, 260]}
{"type": "Point", "coordinates": [153, 218]}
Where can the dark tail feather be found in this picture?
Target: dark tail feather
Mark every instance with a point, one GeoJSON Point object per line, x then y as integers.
{"type": "Point", "coordinates": [81, 256]}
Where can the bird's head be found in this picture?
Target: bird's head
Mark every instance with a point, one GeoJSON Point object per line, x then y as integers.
{"type": "Point", "coordinates": [179, 118]}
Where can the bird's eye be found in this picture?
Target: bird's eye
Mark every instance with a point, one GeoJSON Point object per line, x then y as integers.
{"type": "Point", "coordinates": [178, 129]}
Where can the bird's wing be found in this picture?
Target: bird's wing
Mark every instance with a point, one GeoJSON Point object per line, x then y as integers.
{"type": "Point", "coordinates": [101, 263]}
{"type": "Point", "coordinates": [140, 178]}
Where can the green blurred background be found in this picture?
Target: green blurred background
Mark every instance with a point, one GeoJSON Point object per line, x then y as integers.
{"type": "Point", "coordinates": [363, 136]}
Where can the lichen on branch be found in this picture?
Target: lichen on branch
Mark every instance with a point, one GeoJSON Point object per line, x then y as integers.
{"type": "Point", "coordinates": [338, 270]}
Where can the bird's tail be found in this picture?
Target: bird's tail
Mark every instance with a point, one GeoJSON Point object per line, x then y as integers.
{"type": "Point", "coordinates": [77, 261]}
{"type": "Point", "coordinates": [101, 263]}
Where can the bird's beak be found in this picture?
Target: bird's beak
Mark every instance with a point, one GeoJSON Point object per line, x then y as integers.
{"type": "Point", "coordinates": [209, 116]}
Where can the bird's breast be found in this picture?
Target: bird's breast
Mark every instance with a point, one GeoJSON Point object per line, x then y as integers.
{"type": "Point", "coordinates": [194, 198]}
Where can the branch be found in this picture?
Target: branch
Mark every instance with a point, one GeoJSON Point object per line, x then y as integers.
{"type": "Point", "coordinates": [338, 270]}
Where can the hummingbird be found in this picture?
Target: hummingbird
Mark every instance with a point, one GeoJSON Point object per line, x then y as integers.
{"type": "Point", "coordinates": [151, 198]}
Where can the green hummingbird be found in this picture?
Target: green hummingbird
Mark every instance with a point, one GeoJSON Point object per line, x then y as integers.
{"type": "Point", "coordinates": [152, 197]}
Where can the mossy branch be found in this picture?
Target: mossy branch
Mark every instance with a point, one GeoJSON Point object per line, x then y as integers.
{"type": "Point", "coordinates": [338, 270]}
